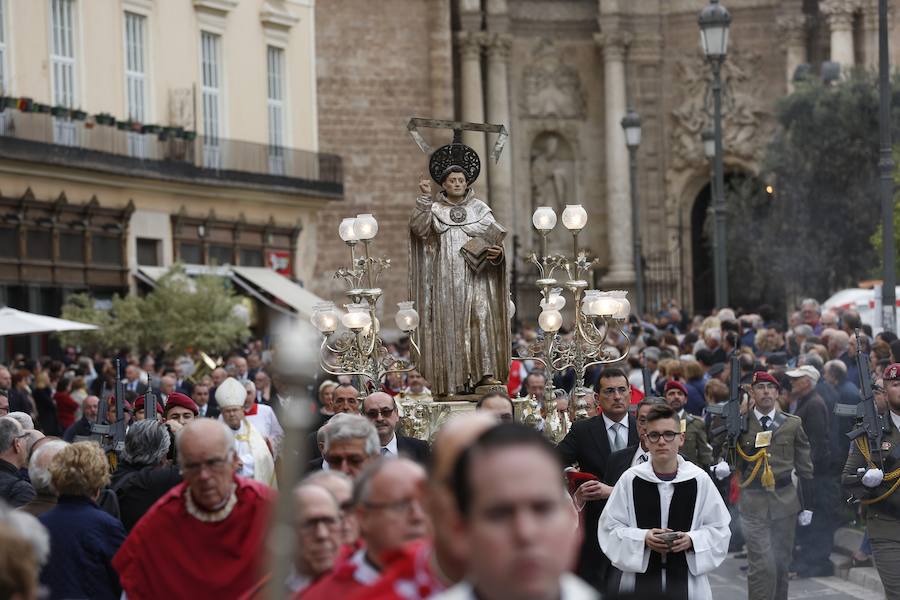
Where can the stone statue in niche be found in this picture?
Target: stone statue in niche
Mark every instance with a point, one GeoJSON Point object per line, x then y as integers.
{"type": "Point", "coordinates": [552, 175]}
{"type": "Point", "coordinates": [181, 108]}
{"type": "Point", "coordinates": [550, 87]}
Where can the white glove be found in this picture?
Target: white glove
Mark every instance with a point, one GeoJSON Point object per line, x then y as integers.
{"type": "Point", "coordinates": [804, 518]}
{"type": "Point", "coordinates": [721, 470]}
{"type": "Point", "coordinates": [872, 478]}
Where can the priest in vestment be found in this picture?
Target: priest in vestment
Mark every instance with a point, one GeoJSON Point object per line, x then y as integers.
{"type": "Point", "coordinates": [665, 525]}
{"type": "Point", "coordinates": [464, 329]}
{"type": "Point", "coordinates": [204, 538]}
{"type": "Point", "coordinates": [254, 452]}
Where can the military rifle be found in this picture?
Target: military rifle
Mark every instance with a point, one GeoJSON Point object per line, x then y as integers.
{"type": "Point", "coordinates": [735, 423]}
{"type": "Point", "coordinates": [870, 423]}
{"type": "Point", "coordinates": [118, 428]}
{"type": "Point", "coordinates": [149, 402]}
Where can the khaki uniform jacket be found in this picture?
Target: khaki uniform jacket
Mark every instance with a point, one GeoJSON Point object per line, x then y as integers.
{"type": "Point", "coordinates": [788, 451]}
{"type": "Point", "coordinates": [884, 516]}
{"type": "Point", "coordinates": [696, 446]}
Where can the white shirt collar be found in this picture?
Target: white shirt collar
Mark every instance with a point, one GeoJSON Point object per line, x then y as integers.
{"type": "Point", "coordinates": [297, 581]}
{"type": "Point", "coordinates": [365, 572]}
{"type": "Point", "coordinates": [759, 415]}
{"type": "Point", "coordinates": [637, 456]}
{"type": "Point", "coordinates": [609, 422]}
{"type": "Point", "coordinates": [896, 420]}
{"type": "Point", "coordinates": [392, 446]}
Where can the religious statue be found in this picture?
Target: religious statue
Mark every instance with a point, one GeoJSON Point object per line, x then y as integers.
{"type": "Point", "coordinates": [458, 278]}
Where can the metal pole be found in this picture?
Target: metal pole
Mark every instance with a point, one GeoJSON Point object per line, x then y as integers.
{"type": "Point", "coordinates": [886, 168]}
{"type": "Point", "coordinates": [720, 266]}
{"type": "Point", "coordinates": [636, 234]}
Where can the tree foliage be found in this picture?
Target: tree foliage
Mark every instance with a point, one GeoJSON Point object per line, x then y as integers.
{"type": "Point", "coordinates": [181, 314]}
{"type": "Point", "coordinates": [813, 236]}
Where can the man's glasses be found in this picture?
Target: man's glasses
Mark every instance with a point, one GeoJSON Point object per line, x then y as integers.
{"type": "Point", "coordinates": [354, 461]}
{"type": "Point", "coordinates": [384, 412]}
{"type": "Point", "coordinates": [654, 436]}
{"type": "Point", "coordinates": [505, 416]}
{"type": "Point", "coordinates": [213, 464]}
{"type": "Point", "coordinates": [614, 390]}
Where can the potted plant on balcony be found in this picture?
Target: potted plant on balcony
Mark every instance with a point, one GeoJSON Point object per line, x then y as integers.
{"type": "Point", "coordinates": [79, 115]}
{"type": "Point", "coordinates": [10, 102]}
{"type": "Point", "coordinates": [151, 129]}
{"type": "Point", "coordinates": [59, 111]}
{"type": "Point", "coordinates": [40, 108]}
{"type": "Point", "coordinates": [189, 136]}
{"type": "Point", "coordinates": [105, 119]}
{"type": "Point", "coordinates": [24, 104]}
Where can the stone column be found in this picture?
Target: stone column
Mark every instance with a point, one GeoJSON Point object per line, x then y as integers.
{"type": "Point", "coordinates": [498, 48]}
{"type": "Point", "coordinates": [470, 43]}
{"type": "Point", "coordinates": [793, 36]}
{"type": "Point", "coordinates": [870, 33]}
{"type": "Point", "coordinates": [840, 23]}
{"type": "Point", "coordinates": [618, 189]}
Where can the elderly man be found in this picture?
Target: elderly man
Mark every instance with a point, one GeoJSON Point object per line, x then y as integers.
{"type": "Point", "coordinates": [381, 410]}
{"type": "Point", "coordinates": [341, 487]}
{"type": "Point", "coordinates": [318, 528]}
{"type": "Point", "coordinates": [215, 521]}
{"type": "Point", "coordinates": [344, 399]}
{"type": "Point", "coordinates": [167, 386]}
{"type": "Point", "coordinates": [350, 441]}
{"type": "Point", "coordinates": [810, 311]}
{"type": "Point", "coordinates": [263, 418]}
{"type": "Point", "coordinates": [816, 540]}
{"type": "Point", "coordinates": [133, 381]}
{"type": "Point", "coordinates": [90, 408]}
{"type": "Point", "coordinates": [39, 474]}
{"type": "Point", "coordinates": [257, 460]}
{"type": "Point", "coordinates": [388, 507]}
{"type": "Point", "coordinates": [416, 388]}
{"type": "Point", "coordinates": [13, 456]}
{"type": "Point", "coordinates": [143, 476]}
{"type": "Point", "coordinates": [512, 470]}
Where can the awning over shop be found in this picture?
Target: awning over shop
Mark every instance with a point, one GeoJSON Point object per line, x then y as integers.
{"type": "Point", "coordinates": [267, 286]}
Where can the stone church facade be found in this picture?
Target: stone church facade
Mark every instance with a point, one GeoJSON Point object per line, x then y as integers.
{"type": "Point", "coordinates": [560, 74]}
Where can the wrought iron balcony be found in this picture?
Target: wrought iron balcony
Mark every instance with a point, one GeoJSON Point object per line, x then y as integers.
{"type": "Point", "coordinates": [160, 154]}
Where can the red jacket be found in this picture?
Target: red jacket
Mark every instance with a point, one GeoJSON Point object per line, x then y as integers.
{"type": "Point", "coordinates": [66, 407]}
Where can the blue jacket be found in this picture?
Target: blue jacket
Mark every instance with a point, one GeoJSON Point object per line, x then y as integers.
{"type": "Point", "coordinates": [83, 541]}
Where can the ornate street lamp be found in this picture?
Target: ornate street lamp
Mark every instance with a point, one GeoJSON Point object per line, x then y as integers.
{"type": "Point", "coordinates": [359, 350]}
{"type": "Point", "coordinates": [598, 316]}
{"type": "Point", "coordinates": [631, 123]}
{"type": "Point", "coordinates": [714, 22]}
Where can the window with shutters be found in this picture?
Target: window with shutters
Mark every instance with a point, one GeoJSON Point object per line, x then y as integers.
{"type": "Point", "coordinates": [211, 67]}
{"type": "Point", "coordinates": [136, 80]}
{"type": "Point", "coordinates": [275, 71]}
{"type": "Point", "coordinates": [62, 65]}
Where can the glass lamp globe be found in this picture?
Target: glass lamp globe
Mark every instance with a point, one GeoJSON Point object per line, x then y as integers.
{"type": "Point", "coordinates": [550, 320]}
{"type": "Point", "coordinates": [555, 300]}
{"type": "Point", "coordinates": [544, 218]}
{"type": "Point", "coordinates": [574, 217]}
{"type": "Point", "coordinates": [345, 230]}
{"type": "Point", "coordinates": [589, 303]}
{"type": "Point", "coordinates": [325, 317]}
{"type": "Point", "coordinates": [714, 21]}
{"type": "Point", "coordinates": [605, 305]}
{"type": "Point", "coordinates": [357, 316]}
{"type": "Point", "coordinates": [407, 318]}
{"type": "Point", "coordinates": [621, 297]}
{"type": "Point", "coordinates": [365, 227]}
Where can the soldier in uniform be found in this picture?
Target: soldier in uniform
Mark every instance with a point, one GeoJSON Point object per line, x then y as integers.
{"type": "Point", "coordinates": [773, 446]}
{"type": "Point", "coordinates": [696, 447]}
{"type": "Point", "coordinates": [874, 484]}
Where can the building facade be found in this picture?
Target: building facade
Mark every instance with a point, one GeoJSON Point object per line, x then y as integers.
{"type": "Point", "coordinates": [560, 74]}
{"type": "Point", "coordinates": [138, 133]}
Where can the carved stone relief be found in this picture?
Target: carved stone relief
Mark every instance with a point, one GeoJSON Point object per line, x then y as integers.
{"type": "Point", "coordinates": [552, 177]}
{"type": "Point", "coordinates": [181, 108]}
{"type": "Point", "coordinates": [550, 87]}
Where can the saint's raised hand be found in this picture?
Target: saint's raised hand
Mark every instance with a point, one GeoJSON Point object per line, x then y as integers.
{"type": "Point", "coordinates": [425, 186]}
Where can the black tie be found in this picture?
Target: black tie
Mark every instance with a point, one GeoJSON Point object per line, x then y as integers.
{"type": "Point", "coordinates": [764, 421]}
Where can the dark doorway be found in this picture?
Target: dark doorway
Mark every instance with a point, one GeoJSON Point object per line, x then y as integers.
{"type": "Point", "coordinates": [702, 254]}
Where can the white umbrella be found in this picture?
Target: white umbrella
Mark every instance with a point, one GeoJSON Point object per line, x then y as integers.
{"type": "Point", "coordinates": [17, 322]}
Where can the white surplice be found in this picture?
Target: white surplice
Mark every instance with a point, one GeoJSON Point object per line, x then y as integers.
{"type": "Point", "coordinates": [623, 542]}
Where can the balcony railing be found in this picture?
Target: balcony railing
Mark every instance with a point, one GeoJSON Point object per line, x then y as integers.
{"type": "Point", "coordinates": [217, 157]}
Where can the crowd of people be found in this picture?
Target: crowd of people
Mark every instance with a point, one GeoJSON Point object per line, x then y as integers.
{"type": "Point", "coordinates": [643, 495]}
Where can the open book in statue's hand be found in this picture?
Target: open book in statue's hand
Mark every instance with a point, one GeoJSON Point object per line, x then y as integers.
{"type": "Point", "coordinates": [475, 250]}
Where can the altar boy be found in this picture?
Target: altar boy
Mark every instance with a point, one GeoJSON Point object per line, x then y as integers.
{"type": "Point", "coordinates": [665, 525]}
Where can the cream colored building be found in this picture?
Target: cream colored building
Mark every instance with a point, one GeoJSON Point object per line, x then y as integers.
{"type": "Point", "coordinates": [89, 205]}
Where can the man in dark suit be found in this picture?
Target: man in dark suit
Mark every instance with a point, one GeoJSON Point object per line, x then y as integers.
{"type": "Point", "coordinates": [589, 443]}
{"type": "Point", "coordinates": [381, 410]}
{"type": "Point", "coordinates": [635, 454]}
{"type": "Point", "coordinates": [133, 382]}
{"type": "Point", "coordinates": [202, 398]}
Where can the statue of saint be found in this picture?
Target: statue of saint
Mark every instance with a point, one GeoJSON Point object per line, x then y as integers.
{"type": "Point", "coordinates": [457, 276]}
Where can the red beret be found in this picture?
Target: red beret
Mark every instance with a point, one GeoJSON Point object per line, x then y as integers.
{"type": "Point", "coordinates": [183, 400]}
{"type": "Point", "coordinates": [139, 404]}
{"type": "Point", "coordinates": [676, 385]}
{"type": "Point", "coordinates": [763, 376]}
{"type": "Point", "coordinates": [891, 372]}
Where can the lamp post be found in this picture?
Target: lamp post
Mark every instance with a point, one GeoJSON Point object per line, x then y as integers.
{"type": "Point", "coordinates": [714, 22]}
{"type": "Point", "coordinates": [631, 123]}
{"type": "Point", "coordinates": [886, 168]}
{"type": "Point", "coordinates": [709, 151]}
